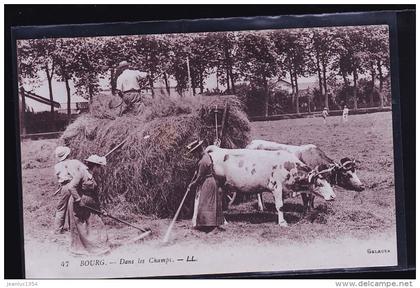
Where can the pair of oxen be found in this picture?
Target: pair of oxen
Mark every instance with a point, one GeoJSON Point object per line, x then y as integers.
{"type": "Point", "coordinates": [281, 169]}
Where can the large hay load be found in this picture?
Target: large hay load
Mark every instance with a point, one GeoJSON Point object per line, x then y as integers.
{"type": "Point", "coordinates": [150, 172]}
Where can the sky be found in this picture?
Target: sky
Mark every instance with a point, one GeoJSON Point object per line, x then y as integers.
{"type": "Point", "coordinates": [59, 94]}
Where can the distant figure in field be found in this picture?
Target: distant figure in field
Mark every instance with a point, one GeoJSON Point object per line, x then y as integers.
{"type": "Point", "coordinates": [345, 113]}
{"type": "Point", "coordinates": [128, 86]}
{"type": "Point", "coordinates": [325, 114]}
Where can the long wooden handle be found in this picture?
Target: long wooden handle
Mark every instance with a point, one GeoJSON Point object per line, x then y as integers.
{"type": "Point", "coordinates": [215, 120]}
{"type": "Point", "coordinates": [116, 147]}
{"type": "Point", "coordinates": [224, 120]}
{"type": "Point", "coordinates": [171, 226]}
{"type": "Point", "coordinates": [116, 219]}
{"type": "Point", "coordinates": [56, 191]}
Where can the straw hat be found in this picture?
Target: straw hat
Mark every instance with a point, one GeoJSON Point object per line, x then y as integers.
{"type": "Point", "coordinates": [123, 64]}
{"type": "Point", "coordinates": [61, 152]}
{"type": "Point", "coordinates": [194, 145]}
{"type": "Point", "coordinates": [96, 159]}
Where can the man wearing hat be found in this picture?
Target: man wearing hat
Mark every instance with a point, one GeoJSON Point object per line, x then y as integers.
{"type": "Point", "coordinates": [208, 204]}
{"type": "Point", "coordinates": [88, 232]}
{"type": "Point", "coordinates": [128, 86]}
{"type": "Point", "coordinates": [63, 170]}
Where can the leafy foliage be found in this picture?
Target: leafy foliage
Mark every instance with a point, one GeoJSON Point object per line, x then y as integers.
{"type": "Point", "coordinates": [338, 59]}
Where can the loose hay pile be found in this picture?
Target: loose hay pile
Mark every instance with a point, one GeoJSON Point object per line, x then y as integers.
{"type": "Point", "coordinates": [149, 176]}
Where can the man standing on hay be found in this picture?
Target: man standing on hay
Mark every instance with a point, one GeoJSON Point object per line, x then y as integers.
{"type": "Point", "coordinates": [208, 205]}
{"type": "Point", "coordinates": [128, 87]}
{"type": "Point", "coordinates": [88, 232]}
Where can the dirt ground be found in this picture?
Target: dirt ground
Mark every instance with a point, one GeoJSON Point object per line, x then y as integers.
{"type": "Point", "coordinates": [353, 215]}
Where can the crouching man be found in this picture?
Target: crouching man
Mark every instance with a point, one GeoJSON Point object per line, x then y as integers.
{"type": "Point", "coordinates": [79, 194]}
{"type": "Point", "coordinates": [88, 232]}
{"type": "Point", "coordinates": [208, 205]}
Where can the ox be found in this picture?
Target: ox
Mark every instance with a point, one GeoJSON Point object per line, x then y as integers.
{"type": "Point", "coordinates": [342, 173]}
{"type": "Point", "coordinates": [256, 171]}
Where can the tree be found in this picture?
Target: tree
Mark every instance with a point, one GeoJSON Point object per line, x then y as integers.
{"type": "Point", "coordinates": [147, 57]}
{"type": "Point", "coordinates": [89, 64]}
{"type": "Point", "coordinates": [202, 58]}
{"type": "Point", "coordinates": [349, 56]}
{"type": "Point", "coordinates": [291, 47]}
{"type": "Point", "coordinates": [164, 64]}
{"type": "Point", "coordinates": [114, 50]}
{"type": "Point", "coordinates": [376, 57]}
{"type": "Point", "coordinates": [177, 60]}
{"type": "Point", "coordinates": [65, 57]}
{"type": "Point", "coordinates": [321, 50]}
{"type": "Point", "coordinates": [225, 45]}
{"type": "Point", "coordinates": [257, 61]}
{"type": "Point", "coordinates": [36, 55]}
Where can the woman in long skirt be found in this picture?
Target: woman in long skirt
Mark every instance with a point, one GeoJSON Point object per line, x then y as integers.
{"type": "Point", "coordinates": [208, 205]}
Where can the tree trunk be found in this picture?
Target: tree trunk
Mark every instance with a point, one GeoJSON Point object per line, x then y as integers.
{"type": "Point", "coordinates": [227, 80]}
{"type": "Point", "coordinates": [381, 84]}
{"type": "Point", "coordinates": [90, 90]}
{"type": "Point", "coordinates": [117, 73]}
{"type": "Point", "coordinates": [381, 76]}
{"type": "Point", "coordinates": [68, 100]}
{"type": "Point", "coordinates": [179, 90]}
{"type": "Point", "coordinates": [217, 79]}
{"type": "Point", "coordinates": [50, 91]}
{"type": "Point", "coordinates": [168, 89]}
{"type": "Point", "coordinates": [309, 104]}
{"type": "Point", "coordinates": [355, 88]}
{"type": "Point", "coordinates": [293, 86]}
{"type": "Point", "coordinates": [297, 94]}
{"type": "Point", "coordinates": [201, 82]}
{"type": "Point", "coordinates": [318, 69]}
{"type": "Point", "coordinates": [189, 86]}
{"type": "Point", "coordinates": [232, 81]}
{"type": "Point", "coordinates": [372, 73]}
{"type": "Point", "coordinates": [266, 98]}
{"type": "Point", "coordinates": [346, 81]}
{"type": "Point", "coordinates": [227, 63]}
{"type": "Point", "coordinates": [324, 74]}
{"type": "Point", "coordinates": [193, 82]}
{"type": "Point", "coordinates": [346, 84]}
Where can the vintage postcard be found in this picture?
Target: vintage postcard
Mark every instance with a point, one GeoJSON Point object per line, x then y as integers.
{"type": "Point", "coordinates": [266, 150]}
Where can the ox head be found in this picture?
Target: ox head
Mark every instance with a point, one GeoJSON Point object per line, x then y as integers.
{"type": "Point", "coordinates": [314, 180]}
{"type": "Point", "coordinates": [344, 175]}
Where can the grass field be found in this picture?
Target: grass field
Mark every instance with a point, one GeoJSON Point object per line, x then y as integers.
{"type": "Point", "coordinates": [368, 138]}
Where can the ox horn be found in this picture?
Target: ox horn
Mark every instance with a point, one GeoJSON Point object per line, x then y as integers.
{"type": "Point", "coordinates": [312, 175]}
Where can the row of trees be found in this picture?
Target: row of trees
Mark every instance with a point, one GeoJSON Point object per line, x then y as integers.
{"type": "Point", "coordinates": [333, 56]}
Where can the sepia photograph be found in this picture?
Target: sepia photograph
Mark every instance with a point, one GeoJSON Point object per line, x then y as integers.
{"type": "Point", "coordinates": [207, 153]}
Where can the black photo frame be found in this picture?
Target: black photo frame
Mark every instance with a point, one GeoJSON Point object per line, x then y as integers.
{"type": "Point", "coordinates": [400, 29]}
